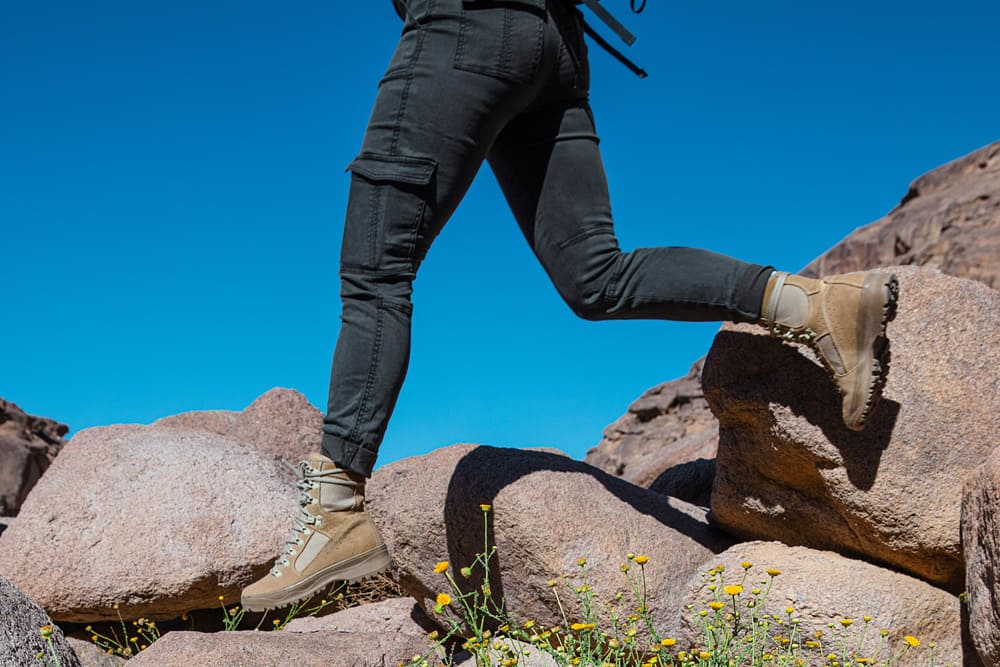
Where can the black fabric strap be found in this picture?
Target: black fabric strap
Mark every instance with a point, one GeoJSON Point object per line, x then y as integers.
{"type": "Point", "coordinates": [618, 55]}
{"type": "Point", "coordinates": [613, 23]}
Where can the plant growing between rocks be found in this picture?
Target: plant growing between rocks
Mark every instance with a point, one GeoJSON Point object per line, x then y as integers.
{"type": "Point", "coordinates": [118, 639]}
{"type": "Point", "coordinates": [734, 629]}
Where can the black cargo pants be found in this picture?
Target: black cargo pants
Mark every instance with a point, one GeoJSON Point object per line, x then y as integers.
{"type": "Point", "coordinates": [506, 81]}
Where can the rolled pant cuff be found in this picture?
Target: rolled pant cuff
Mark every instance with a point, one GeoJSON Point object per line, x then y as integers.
{"type": "Point", "coordinates": [348, 454]}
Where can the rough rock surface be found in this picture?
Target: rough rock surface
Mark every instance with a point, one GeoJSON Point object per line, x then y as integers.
{"type": "Point", "coordinates": [394, 616]}
{"type": "Point", "coordinates": [27, 446]}
{"type": "Point", "coordinates": [161, 519]}
{"type": "Point", "coordinates": [668, 425]}
{"type": "Point", "coordinates": [92, 655]}
{"type": "Point", "coordinates": [788, 470]}
{"type": "Point", "coordinates": [823, 587]}
{"type": "Point", "coordinates": [281, 422]}
{"type": "Point", "coordinates": [303, 649]}
{"type": "Point", "coordinates": [546, 512]}
{"type": "Point", "coordinates": [981, 545]}
{"type": "Point", "coordinates": [691, 482]}
{"type": "Point", "coordinates": [20, 638]}
{"type": "Point", "coordinates": [949, 220]}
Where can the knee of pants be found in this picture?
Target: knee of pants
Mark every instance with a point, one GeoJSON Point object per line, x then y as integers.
{"type": "Point", "coordinates": [587, 299]}
{"type": "Point", "coordinates": [389, 289]}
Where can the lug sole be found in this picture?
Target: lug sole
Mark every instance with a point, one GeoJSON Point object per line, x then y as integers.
{"type": "Point", "coordinates": [875, 363]}
{"type": "Point", "coordinates": [350, 570]}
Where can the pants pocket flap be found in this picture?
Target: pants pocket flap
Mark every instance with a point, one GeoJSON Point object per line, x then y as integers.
{"type": "Point", "coordinates": [394, 168]}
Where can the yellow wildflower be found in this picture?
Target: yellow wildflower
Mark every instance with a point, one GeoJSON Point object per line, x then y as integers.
{"type": "Point", "coordinates": [668, 641]}
{"type": "Point", "coordinates": [735, 589]}
{"type": "Point", "coordinates": [46, 631]}
{"type": "Point", "coordinates": [846, 622]}
{"type": "Point", "coordinates": [746, 565]}
{"type": "Point", "coordinates": [443, 599]}
{"type": "Point", "coordinates": [789, 610]}
{"type": "Point", "coordinates": [642, 560]}
{"type": "Point", "coordinates": [704, 655]}
{"type": "Point", "coordinates": [716, 605]}
{"type": "Point", "coordinates": [441, 567]}
{"type": "Point", "coordinates": [911, 640]}
{"type": "Point", "coordinates": [581, 561]}
{"type": "Point", "coordinates": [485, 507]}
{"type": "Point", "coordinates": [772, 572]}
{"type": "Point", "coordinates": [577, 627]}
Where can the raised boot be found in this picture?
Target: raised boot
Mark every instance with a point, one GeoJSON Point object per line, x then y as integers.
{"type": "Point", "coordinates": [843, 318]}
{"type": "Point", "coordinates": [333, 539]}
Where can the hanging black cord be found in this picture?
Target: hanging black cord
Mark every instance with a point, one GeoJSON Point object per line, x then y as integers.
{"type": "Point", "coordinates": [618, 55]}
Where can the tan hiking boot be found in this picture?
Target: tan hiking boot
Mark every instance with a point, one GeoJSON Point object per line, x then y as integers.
{"type": "Point", "coordinates": [333, 539]}
{"type": "Point", "coordinates": [843, 318]}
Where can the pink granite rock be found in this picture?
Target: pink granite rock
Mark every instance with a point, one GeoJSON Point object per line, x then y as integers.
{"type": "Point", "coordinates": [822, 588]}
{"type": "Point", "coordinates": [324, 648]}
{"type": "Point", "coordinates": [981, 544]}
{"type": "Point", "coordinates": [788, 469]}
{"type": "Point", "coordinates": [160, 519]}
{"type": "Point", "coordinates": [546, 512]}
{"type": "Point", "coordinates": [27, 446]}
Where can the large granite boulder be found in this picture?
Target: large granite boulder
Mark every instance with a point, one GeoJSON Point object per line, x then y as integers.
{"type": "Point", "coordinates": [669, 425]}
{"type": "Point", "coordinates": [159, 519]}
{"type": "Point", "coordinates": [546, 511]}
{"type": "Point", "coordinates": [949, 220]}
{"type": "Point", "coordinates": [21, 625]}
{"type": "Point", "coordinates": [393, 616]}
{"type": "Point", "coordinates": [822, 588]}
{"type": "Point", "coordinates": [27, 446]}
{"type": "Point", "coordinates": [788, 470]}
{"type": "Point", "coordinates": [321, 648]}
{"type": "Point", "coordinates": [981, 546]}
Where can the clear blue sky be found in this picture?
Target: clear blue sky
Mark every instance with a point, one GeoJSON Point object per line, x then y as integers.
{"type": "Point", "coordinates": [172, 190]}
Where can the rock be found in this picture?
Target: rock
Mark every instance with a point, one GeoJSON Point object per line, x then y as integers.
{"type": "Point", "coordinates": [21, 640]}
{"type": "Point", "coordinates": [788, 470]}
{"type": "Point", "coordinates": [546, 512]}
{"type": "Point", "coordinates": [302, 649]}
{"type": "Point", "coordinates": [690, 482]}
{"type": "Point", "coordinates": [981, 545]}
{"type": "Point", "coordinates": [160, 519]}
{"type": "Point", "coordinates": [281, 422]}
{"type": "Point", "coordinates": [92, 655]}
{"type": "Point", "coordinates": [395, 616]}
{"type": "Point", "coordinates": [949, 220]}
{"type": "Point", "coordinates": [822, 588]}
{"type": "Point", "coordinates": [27, 446]}
{"type": "Point", "coordinates": [668, 425]}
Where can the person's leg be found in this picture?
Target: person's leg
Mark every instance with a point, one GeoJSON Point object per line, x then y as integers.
{"type": "Point", "coordinates": [431, 126]}
{"type": "Point", "coordinates": [439, 107]}
{"type": "Point", "coordinates": [549, 166]}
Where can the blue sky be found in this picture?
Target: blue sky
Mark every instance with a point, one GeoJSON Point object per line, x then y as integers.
{"type": "Point", "coordinates": [172, 190]}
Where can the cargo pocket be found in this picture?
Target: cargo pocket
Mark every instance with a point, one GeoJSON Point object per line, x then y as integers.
{"type": "Point", "coordinates": [501, 38]}
{"type": "Point", "coordinates": [386, 211]}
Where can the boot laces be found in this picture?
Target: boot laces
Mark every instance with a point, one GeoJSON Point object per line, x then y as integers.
{"type": "Point", "coordinates": [309, 478]}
